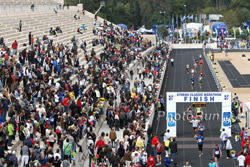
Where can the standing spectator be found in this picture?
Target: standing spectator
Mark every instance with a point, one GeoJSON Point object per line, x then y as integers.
{"type": "Point", "coordinates": [228, 147]}
{"type": "Point", "coordinates": [173, 149]}
{"type": "Point", "coordinates": [20, 25]}
{"type": "Point", "coordinates": [14, 47]}
{"type": "Point", "coordinates": [131, 74]}
{"type": "Point", "coordinates": [66, 162]}
{"type": "Point", "coordinates": [223, 137]}
{"type": "Point", "coordinates": [29, 38]}
{"type": "Point", "coordinates": [154, 144]}
{"type": "Point", "coordinates": [11, 132]}
{"type": "Point", "coordinates": [67, 148]}
{"type": "Point", "coordinates": [25, 152]}
{"type": "Point", "coordinates": [112, 136]}
{"type": "Point", "coordinates": [91, 153]}
{"type": "Point", "coordinates": [99, 143]}
{"type": "Point", "coordinates": [247, 161]}
{"type": "Point", "coordinates": [32, 42]}
{"type": "Point", "coordinates": [2, 154]}
{"type": "Point", "coordinates": [13, 160]}
{"type": "Point", "coordinates": [241, 159]}
{"type": "Point", "coordinates": [151, 161]}
{"type": "Point", "coordinates": [243, 133]}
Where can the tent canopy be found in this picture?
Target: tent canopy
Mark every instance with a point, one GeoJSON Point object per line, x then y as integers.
{"type": "Point", "coordinates": [196, 26]}
{"type": "Point", "coordinates": [123, 26]}
{"type": "Point", "coordinates": [218, 26]}
{"type": "Point", "coordinates": [215, 17]}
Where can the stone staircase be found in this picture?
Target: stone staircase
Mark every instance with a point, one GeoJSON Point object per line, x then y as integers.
{"type": "Point", "coordinates": [39, 23]}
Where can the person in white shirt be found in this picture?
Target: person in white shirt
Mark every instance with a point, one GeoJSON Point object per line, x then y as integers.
{"type": "Point", "coordinates": [241, 159]}
{"type": "Point", "coordinates": [166, 135]}
{"type": "Point", "coordinates": [228, 147]}
{"type": "Point", "coordinates": [57, 154]}
{"type": "Point", "coordinates": [223, 137]}
{"type": "Point", "coordinates": [90, 141]}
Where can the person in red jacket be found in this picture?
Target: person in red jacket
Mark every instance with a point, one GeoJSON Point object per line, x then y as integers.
{"type": "Point", "coordinates": [243, 134]}
{"type": "Point", "coordinates": [99, 143]}
{"type": "Point", "coordinates": [151, 161]}
{"type": "Point", "coordinates": [14, 47]}
{"type": "Point", "coordinates": [155, 141]}
{"type": "Point", "coordinates": [247, 161]}
{"type": "Point", "coordinates": [65, 103]}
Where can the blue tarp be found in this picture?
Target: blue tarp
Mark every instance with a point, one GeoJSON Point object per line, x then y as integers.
{"type": "Point", "coordinates": [154, 27]}
{"type": "Point", "coordinates": [218, 26]}
{"type": "Point", "coordinates": [123, 26]}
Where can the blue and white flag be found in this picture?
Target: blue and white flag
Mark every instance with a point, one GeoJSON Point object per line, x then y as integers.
{"type": "Point", "coordinates": [200, 18]}
{"type": "Point", "coordinates": [248, 30]}
{"type": "Point", "coordinates": [191, 17]}
{"type": "Point", "coordinates": [216, 31]}
{"type": "Point", "coordinates": [172, 23]}
{"type": "Point", "coordinates": [195, 19]}
{"type": "Point", "coordinates": [183, 18]}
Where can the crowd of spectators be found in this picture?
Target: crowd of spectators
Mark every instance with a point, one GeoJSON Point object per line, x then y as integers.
{"type": "Point", "coordinates": [49, 101]}
{"type": "Point", "coordinates": [130, 114]}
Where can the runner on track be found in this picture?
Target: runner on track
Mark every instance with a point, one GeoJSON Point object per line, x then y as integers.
{"type": "Point", "coordinates": [200, 140]}
{"type": "Point", "coordinates": [192, 82]}
{"type": "Point", "coordinates": [187, 68]}
{"type": "Point", "coordinates": [200, 81]}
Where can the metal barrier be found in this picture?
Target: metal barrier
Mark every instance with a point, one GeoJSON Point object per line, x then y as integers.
{"type": "Point", "coordinates": [209, 63]}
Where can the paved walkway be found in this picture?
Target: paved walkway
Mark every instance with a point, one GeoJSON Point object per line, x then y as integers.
{"type": "Point", "coordinates": [242, 65]}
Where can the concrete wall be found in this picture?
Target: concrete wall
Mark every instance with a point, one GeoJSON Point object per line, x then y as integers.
{"type": "Point", "coordinates": [193, 46]}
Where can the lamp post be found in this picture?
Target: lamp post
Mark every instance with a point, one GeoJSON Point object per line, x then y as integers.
{"type": "Point", "coordinates": [164, 12]}
{"type": "Point", "coordinates": [185, 6]}
{"type": "Point", "coordinates": [102, 4]}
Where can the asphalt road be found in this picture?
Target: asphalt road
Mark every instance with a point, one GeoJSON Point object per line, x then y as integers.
{"type": "Point", "coordinates": [178, 80]}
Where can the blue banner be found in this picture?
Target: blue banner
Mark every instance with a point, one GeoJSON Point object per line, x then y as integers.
{"type": "Point", "coordinates": [226, 118]}
{"type": "Point", "coordinates": [171, 119]}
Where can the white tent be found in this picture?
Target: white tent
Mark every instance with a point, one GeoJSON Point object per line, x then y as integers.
{"type": "Point", "coordinates": [194, 26]}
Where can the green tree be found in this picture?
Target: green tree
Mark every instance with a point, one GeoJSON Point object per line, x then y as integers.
{"type": "Point", "coordinates": [243, 14]}
{"type": "Point", "coordinates": [162, 31]}
{"type": "Point", "coordinates": [231, 19]}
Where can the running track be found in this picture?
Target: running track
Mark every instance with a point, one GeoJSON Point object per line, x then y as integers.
{"type": "Point", "coordinates": [179, 81]}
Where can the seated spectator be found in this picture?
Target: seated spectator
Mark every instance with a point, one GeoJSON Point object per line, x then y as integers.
{"type": "Point", "coordinates": [58, 29]}
{"type": "Point", "coordinates": [79, 31]}
{"type": "Point", "coordinates": [75, 16]}
{"type": "Point", "coordinates": [55, 11]}
{"type": "Point", "coordinates": [94, 43]}
{"type": "Point", "coordinates": [52, 32]}
{"type": "Point", "coordinates": [45, 39]}
{"type": "Point", "coordinates": [83, 27]}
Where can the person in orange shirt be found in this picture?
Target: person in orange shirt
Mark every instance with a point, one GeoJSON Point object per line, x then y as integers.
{"type": "Point", "coordinates": [32, 41]}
